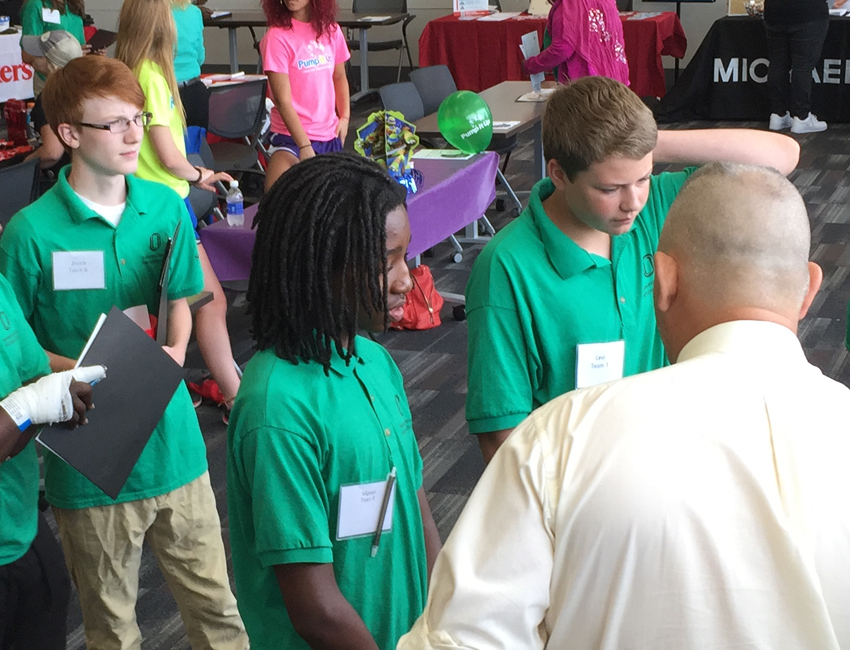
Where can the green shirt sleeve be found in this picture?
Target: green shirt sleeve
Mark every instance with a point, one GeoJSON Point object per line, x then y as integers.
{"type": "Point", "coordinates": [19, 264]}
{"type": "Point", "coordinates": [500, 389]}
{"type": "Point", "coordinates": [34, 362]}
{"type": "Point", "coordinates": [186, 277]}
{"type": "Point", "coordinates": [289, 498]}
{"type": "Point", "coordinates": [31, 21]}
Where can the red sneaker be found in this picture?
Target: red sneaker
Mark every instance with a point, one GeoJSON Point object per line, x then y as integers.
{"type": "Point", "coordinates": [208, 389]}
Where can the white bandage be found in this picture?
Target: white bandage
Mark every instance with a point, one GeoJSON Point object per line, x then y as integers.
{"type": "Point", "coordinates": [49, 399]}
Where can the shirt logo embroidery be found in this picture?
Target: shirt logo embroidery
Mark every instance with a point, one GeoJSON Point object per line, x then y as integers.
{"type": "Point", "coordinates": [156, 241]}
{"type": "Point", "coordinates": [316, 57]}
{"type": "Point", "coordinates": [4, 320]}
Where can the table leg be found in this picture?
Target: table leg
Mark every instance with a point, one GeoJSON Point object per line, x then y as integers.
{"type": "Point", "coordinates": [234, 51]}
{"type": "Point", "coordinates": [470, 233]}
{"type": "Point", "coordinates": [364, 67]}
{"type": "Point", "coordinates": [539, 161]}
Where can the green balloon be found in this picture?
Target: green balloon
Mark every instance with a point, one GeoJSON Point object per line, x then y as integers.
{"type": "Point", "coordinates": [465, 121]}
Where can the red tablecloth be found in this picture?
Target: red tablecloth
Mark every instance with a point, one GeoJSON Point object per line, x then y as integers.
{"type": "Point", "coordinates": [481, 54]}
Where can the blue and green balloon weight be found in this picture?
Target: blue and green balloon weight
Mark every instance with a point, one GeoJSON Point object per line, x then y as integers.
{"type": "Point", "coordinates": [465, 121]}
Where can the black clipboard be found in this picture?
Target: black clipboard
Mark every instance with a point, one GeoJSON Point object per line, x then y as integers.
{"type": "Point", "coordinates": [102, 39]}
{"type": "Point", "coordinates": [141, 379]}
{"type": "Point", "coordinates": [162, 290]}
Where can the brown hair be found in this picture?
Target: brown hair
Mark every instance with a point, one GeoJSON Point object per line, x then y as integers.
{"type": "Point", "coordinates": [146, 32]}
{"type": "Point", "coordinates": [592, 119]}
{"type": "Point", "coordinates": [84, 78]}
{"type": "Point", "coordinates": [75, 6]}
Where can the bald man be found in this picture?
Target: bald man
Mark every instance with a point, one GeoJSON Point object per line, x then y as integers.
{"type": "Point", "coordinates": [703, 505]}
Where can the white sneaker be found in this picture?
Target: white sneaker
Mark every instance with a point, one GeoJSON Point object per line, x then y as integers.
{"type": "Point", "coordinates": [779, 122]}
{"type": "Point", "coordinates": [810, 125]}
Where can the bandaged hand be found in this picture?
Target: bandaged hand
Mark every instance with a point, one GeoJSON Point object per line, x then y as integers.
{"type": "Point", "coordinates": [50, 399]}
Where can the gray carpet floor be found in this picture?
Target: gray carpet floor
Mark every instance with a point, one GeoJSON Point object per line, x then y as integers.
{"type": "Point", "coordinates": [433, 362]}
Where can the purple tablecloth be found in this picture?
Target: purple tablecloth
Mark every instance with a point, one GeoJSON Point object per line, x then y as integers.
{"type": "Point", "coordinates": [455, 193]}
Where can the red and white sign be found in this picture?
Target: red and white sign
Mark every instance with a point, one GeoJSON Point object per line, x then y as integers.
{"type": "Point", "coordinates": [15, 75]}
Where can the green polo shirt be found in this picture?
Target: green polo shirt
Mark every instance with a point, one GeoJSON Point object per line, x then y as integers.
{"type": "Point", "coordinates": [295, 437]}
{"type": "Point", "coordinates": [21, 360]}
{"type": "Point", "coordinates": [33, 24]}
{"type": "Point", "coordinates": [534, 295]}
{"type": "Point", "coordinates": [62, 320]}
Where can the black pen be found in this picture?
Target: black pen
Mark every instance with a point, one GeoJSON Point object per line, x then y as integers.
{"type": "Point", "coordinates": [384, 505]}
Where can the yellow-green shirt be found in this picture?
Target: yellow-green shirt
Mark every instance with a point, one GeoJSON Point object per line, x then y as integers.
{"type": "Point", "coordinates": [159, 102]}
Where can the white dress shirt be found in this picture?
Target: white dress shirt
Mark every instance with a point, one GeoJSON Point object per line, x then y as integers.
{"type": "Point", "coordinates": [704, 505]}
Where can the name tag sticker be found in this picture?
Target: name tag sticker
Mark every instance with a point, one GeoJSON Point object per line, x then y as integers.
{"type": "Point", "coordinates": [51, 16]}
{"type": "Point", "coordinates": [78, 270]}
{"type": "Point", "coordinates": [597, 363]}
{"type": "Point", "coordinates": [360, 507]}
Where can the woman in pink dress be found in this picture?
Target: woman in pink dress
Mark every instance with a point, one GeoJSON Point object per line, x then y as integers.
{"type": "Point", "coordinates": [587, 40]}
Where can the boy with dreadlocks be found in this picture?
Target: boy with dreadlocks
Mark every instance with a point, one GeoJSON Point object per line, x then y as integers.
{"type": "Point", "coordinates": [321, 421]}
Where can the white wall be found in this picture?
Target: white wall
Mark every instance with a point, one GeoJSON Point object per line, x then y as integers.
{"type": "Point", "coordinates": [696, 19]}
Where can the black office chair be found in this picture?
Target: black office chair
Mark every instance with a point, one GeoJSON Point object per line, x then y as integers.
{"type": "Point", "coordinates": [237, 111]}
{"type": "Point", "coordinates": [434, 83]}
{"type": "Point", "coordinates": [18, 188]}
{"type": "Point", "coordinates": [379, 7]}
{"type": "Point", "coordinates": [404, 98]}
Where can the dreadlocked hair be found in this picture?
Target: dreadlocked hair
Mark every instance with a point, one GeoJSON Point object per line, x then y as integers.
{"type": "Point", "coordinates": [320, 256]}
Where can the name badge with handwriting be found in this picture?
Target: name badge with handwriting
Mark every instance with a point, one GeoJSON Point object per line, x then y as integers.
{"type": "Point", "coordinates": [78, 270]}
{"type": "Point", "coordinates": [597, 363]}
{"type": "Point", "coordinates": [360, 507]}
{"type": "Point", "coordinates": [51, 16]}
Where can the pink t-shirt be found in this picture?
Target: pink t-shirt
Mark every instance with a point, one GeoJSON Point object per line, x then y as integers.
{"type": "Point", "coordinates": [309, 62]}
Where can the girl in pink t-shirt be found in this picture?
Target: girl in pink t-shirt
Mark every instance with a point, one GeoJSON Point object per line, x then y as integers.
{"type": "Point", "coordinates": [587, 41]}
{"type": "Point", "coordinates": [304, 55]}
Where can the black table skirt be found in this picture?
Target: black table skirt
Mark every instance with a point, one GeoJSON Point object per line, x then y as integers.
{"type": "Point", "coordinates": [727, 78]}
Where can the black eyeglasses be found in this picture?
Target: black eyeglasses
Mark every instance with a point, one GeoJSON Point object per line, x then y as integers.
{"type": "Point", "coordinates": [122, 125]}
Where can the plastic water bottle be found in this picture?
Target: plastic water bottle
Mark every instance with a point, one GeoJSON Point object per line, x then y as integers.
{"type": "Point", "coordinates": [235, 207]}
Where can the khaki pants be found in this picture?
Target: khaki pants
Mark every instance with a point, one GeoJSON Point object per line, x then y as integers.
{"type": "Point", "coordinates": [103, 549]}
